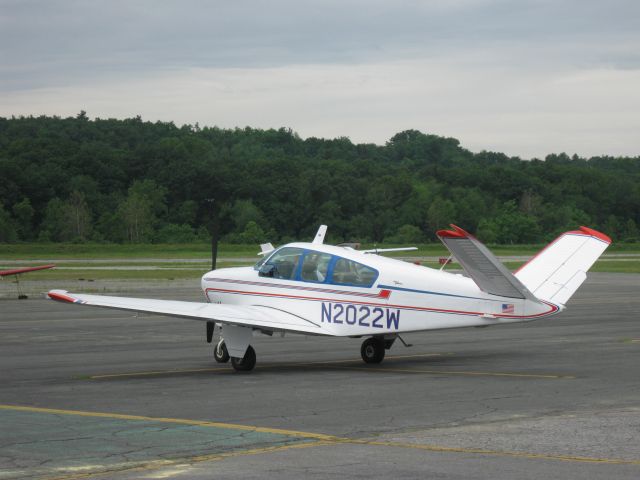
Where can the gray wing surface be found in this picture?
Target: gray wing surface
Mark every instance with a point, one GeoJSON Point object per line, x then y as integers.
{"type": "Point", "coordinates": [483, 267]}
{"type": "Point", "coordinates": [259, 317]}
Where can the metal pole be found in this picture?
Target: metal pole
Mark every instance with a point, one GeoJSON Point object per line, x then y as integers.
{"type": "Point", "coordinates": [214, 241]}
{"type": "Point", "coordinates": [215, 231]}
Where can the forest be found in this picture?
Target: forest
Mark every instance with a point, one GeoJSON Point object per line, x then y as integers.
{"type": "Point", "coordinates": [133, 181]}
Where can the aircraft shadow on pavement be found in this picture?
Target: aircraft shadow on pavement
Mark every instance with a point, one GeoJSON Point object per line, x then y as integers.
{"type": "Point", "coordinates": [445, 364]}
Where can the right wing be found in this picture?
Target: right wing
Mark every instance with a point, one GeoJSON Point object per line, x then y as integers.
{"type": "Point", "coordinates": [259, 317]}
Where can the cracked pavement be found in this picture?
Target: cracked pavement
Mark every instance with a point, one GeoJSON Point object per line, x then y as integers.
{"type": "Point", "coordinates": [400, 419]}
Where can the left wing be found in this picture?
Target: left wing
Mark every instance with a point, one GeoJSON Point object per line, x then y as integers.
{"type": "Point", "coordinates": [259, 317]}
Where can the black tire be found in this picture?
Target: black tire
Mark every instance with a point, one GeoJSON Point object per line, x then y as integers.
{"type": "Point", "coordinates": [246, 363]}
{"type": "Point", "coordinates": [372, 350]}
{"type": "Point", "coordinates": [220, 352]}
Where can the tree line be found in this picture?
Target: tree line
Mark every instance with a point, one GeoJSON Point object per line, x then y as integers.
{"type": "Point", "coordinates": [108, 180]}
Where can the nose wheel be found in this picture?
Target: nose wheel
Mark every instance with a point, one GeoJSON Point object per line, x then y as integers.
{"type": "Point", "coordinates": [372, 350]}
{"type": "Point", "coordinates": [220, 352]}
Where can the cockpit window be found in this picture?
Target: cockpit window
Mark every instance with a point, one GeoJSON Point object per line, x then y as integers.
{"type": "Point", "coordinates": [260, 262]}
{"type": "Point", "coordinates": [348, 272]}
{"type": "Point", "coordinates": [285, 262]}
{"type": "Point", "coordinates": [315, 267]}
{"type": "Point", "coordinates": [293, 263]}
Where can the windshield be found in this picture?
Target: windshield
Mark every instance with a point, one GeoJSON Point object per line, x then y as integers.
{"type": "Point", "coordinates": [286, 261]}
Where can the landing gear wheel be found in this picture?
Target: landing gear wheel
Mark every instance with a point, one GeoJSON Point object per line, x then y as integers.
{"type": "Point", "coordinates": [246, 363]}
{"type": "Point", "coordinates": [220, 352]}
{"type": "Point", "coordinates": [372, 350]}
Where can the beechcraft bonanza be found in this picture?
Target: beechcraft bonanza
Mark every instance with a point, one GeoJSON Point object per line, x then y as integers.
{"type": "Point", "coordinates": [318, 289]}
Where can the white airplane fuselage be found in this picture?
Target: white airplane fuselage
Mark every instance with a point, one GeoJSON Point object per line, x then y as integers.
{"type": "Point", "coordinates": [318, 289]}
{"type": "Point", "coordinates": [399, 297]}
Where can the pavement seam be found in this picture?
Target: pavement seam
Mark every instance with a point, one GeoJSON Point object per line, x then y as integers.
{"type": "Point", "coordinates": [319, 440]}
{"type": "Point", "coordinates": [158, 464]}
{"type": "Point", "coordinates": [180, 421]}
{"type": "Point", "coordinates": [335, 364]}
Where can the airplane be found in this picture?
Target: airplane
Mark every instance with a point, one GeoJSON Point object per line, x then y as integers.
{"type": "Point", "coordinates": [19, 271]}
{"type": "Point", "coordinates": [319, 289]}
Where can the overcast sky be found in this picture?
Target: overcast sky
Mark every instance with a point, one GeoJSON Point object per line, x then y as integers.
{"type": "Point", "coordinates": [523, 77]}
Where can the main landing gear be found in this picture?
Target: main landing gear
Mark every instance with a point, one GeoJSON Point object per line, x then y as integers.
{"type": "Point", "coordinates": [244, 364]}
{"type": "Point", "coordinates": [237, 336]}
{"type": "Point", "coordinates": [373, 350]}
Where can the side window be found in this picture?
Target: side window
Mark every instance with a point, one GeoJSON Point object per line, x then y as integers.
{"type": "Point", "coordinates": [315, 266]}
{"type": "Point", "coordinates": [285, 262]}
{"type": "Point", "coordinates": [348, 272]}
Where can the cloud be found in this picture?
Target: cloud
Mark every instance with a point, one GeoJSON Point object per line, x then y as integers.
{"type": "Point", "coordinates": [526, 78]}
{"type": "Point", "coordinates": [74, 41]}
{"type": "Point", "coordinates": [499, 109]}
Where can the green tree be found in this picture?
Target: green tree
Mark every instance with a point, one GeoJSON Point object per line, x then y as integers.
{"type": "Point", "coordinates": [488, 231]}
{"type": "Point", "coordinates": [53, 225]}
{"type": "Point", "coordinates": [135, 212]}
{"type": "Point", "coordinates": [172, 233]}
{"type": "Point", "coordinates": [407, 234]}
{"type": "Point", "coordinates": [130, 170]}
{"type": "Point", "coordinates": [612, 227]}
{"type": "Point", "coordinates": [440, 214]}
{"type": "Point", "coordinates": [23, 213]}
{"type": "Point", "coordinates": [512, 226]}
{"type": "Point", "coordinates": [77, 217]}
{"type": "Point", "coordinates": [631, 233]}
{"type": "Point", "coordinates": [7, 229]}
{"type": "Point", "coordinates": [243, 212]}
{"type": "Point", "coordinates": [139, 211]}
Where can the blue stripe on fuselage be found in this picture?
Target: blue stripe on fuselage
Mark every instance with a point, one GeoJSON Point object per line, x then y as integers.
{"type": "Point", "coordinates": [428, 292]}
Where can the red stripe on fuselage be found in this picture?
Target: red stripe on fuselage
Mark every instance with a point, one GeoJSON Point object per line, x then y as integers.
{"type": "Point", "coordinates": [380, 294]}
{"type": "Point", "coordinates": [553, 310]}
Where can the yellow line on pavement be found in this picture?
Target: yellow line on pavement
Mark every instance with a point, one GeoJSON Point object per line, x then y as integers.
{"type": "Point", "coordinates": [456, 372]}
{"type": "Point", "coordinates": [320, 440]}
{"type": "Point", "coordinates": [181, 421]}
{"type": "Point", "coordinates": [359, 360]}
{"type": "Point", "coordinates": [158, 464]}
{"type": "Point", "coordinates": [501, 453]}
{"type": "Point", "coordinates": [158, 372]}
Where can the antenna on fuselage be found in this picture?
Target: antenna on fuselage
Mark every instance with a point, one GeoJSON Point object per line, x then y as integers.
{"type": "Point", "coordinates": [319, 238]}
{"type": "Point", "coordinates": [266, 248]}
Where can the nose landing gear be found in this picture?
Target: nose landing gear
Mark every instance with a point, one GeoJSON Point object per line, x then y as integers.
{"type": "Point", "coordinates": [220, 352]}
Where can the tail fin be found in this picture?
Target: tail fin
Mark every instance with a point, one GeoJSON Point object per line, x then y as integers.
{"type": "Point", "coordinates": [557, 271]}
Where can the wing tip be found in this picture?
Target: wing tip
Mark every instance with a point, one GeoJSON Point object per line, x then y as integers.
{"type": "Point", "coordinates": [597, 234]}
{"type": "Point", "coordinates": [457, 232]}
{"type": "Point", "coordinates": [60, 296]}
{"type": "Point", "coordinates": [592, 233]}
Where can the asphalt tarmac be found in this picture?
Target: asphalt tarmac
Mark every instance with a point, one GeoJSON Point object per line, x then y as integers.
{"type": "Point", "coordinates": [105, 394]}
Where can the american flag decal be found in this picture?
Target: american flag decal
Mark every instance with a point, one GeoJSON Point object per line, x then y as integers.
{"type": "Point", "coordinates": [508, 308]}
